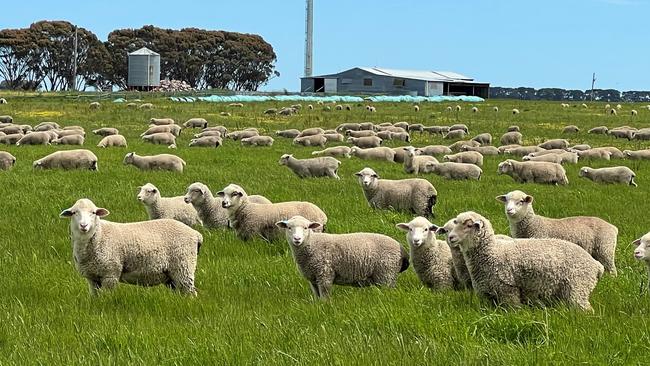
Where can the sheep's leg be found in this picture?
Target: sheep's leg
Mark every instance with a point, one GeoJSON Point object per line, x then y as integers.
{"type": "Point", "coordinates": [324, 285]}
{"type": "Point", "coordinates": [510, 297]}
{"type": "Point", "coordinates": [606, 257]}
{"type": "Point", "coordinates": [633, 183]}
{"type": "Point", "coordinates": [109, 283]}
{"type": "Point", "coordinates": [314, 289]}
{"type": "Point", "coordinates": [93, 286]}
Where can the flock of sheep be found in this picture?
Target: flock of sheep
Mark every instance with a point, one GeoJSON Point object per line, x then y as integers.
{"type": "Point", "coordinates": [542, 260]}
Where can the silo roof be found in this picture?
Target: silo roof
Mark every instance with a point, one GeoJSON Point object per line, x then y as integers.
{"type": "Point", "coordinates": [144, 51]}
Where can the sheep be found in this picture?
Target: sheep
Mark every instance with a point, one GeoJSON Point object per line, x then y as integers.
{"type": "Point", "coordinates": [42, 127]}
{"type": "Point", "coordinates": [617, 174]}
{"type": "Point", "coordinates": [106, 131]}
{"type": "Point", "coordinates": [436, 129]}
{"type": "Point", "coordinates": [257, 141]}
{"type": "Point", "coordinates": [512, 138]}
{"type": "Point", "coordinates": [7, 161]}
{"type": "Point", "coordinates": [451, 170]}
{"type": "Point", "coordinates": [392, 128]}
{"type": "Point", "coordinates": [162, 138]}
{"type": "Point", "coordinates": [94, 105]}
{"type": "Point", "coordinates": [314, 167]}
{"type": "Point", "coordinates": [542, 152]}
{"type": "Point", "coordinates": [595, 235]}
{"type": "Point", "coordinates": [376, 153]}
{"type": "Point", "coordinates": [483, 139]}
{"type": "Point", "coordinates": [28, 128]}
{"type": "Point", "coordinates": [414, 162]}
{"type": "Point", "coordinates": [458, 108]}
{"type": "Point", "coordinates": [524, 270]}
{"type": "Point", "coordinates": [314, 140]}
{"type": "Point", "coordinates": [365, 142]}
{"type": "Point", "coordinates": [69, 140]}
{"type": "Point", "coordinates": [430, 258]}
{"type": "Point", "coordinates": [131, 105]}
{"type": "Point", "coordinates": [196, 123]}
{"type": "Point", "coordinates": [513, 128]}
{"type": "Point", "coordinates": [223, 130]}
{"type": "Point", "coordinates": [271, 111]}
{"type": "Point", "coordinates": [173, 129]}
{"type": "Point", "coordinates": [334, 151]}
{"type": "Point", "coordinates": [495, 109]}
{"type": "Point", "coordinates": [454, 135]}
{"type": "Point", "coordinates": [554, 144]}
{"type": "Point", "coordinates": [515, 111]}
{"type": "Point", "coordinates": [580, 147]}
{"type": "Point", "coordinates": [208, 133]}
{"type": "Point", "coordinates": [642, 134]}
{"type": "Point", "coordinates": [483, 150]}
{"type": "Point", "coordinates": [362, 133]}
{"type": "Point", "coordinates": [413, 195]}
{"type": "Point", "coordinates": [237, 135]}
{"type": "Point", "coordinates": [113, 141]}
{"type": "Point", "coordinates": [631, 154]}
{"type": "Point", "coordinates": [173, 208]}
{"type": "Point", "coordinates": [474, 109]}
{"type": "Point", "coordinates": [403, 125]}
{"type": "Point", "coordinates": [292, 133]}
{"type": "Point", "coordinates": [339, 107]}
{"type": "Point", "coordinates": [458, 145]}
{"type": "Point", "coordinates": [618, 106]}
{"type": "Point", "coordinates": [534, 171]}
{"type": "Point", "coordinates": [310, 107]}
{"type": "Point", "coordinates": [448, 109]}
{"type": "Point", "coordinates": [3, 101]}
{"type": "Point", "coordinates": [633, 112]}
{"type": "Point", "coordinates": [144, 253]}
{"type": "Point", "coordinates": [336, 137]}
{"type": "Point", "coordinates": [416, 108]}
{"type": "Point", "coordinates": [161, 121]}
{"type": "Point", "coordinates": [594, 154]}
{"type": "Point", "coordinates": [311, 132]}
{"type": "Point", "coordinates": [6, 119]}
{"type": "Point", "coordinates": [36, 138]}
{"type": "Point", "coordinates": [459, 126]}
{"type": "Point", "coordinates": [607, 106]}
{"type": "Point", "coordinates": [384, 135]}
{"type": "Point", "coordinates": [236, 105]}
{"type": "Point", "coordinates": [469, 157]}
{"type": "Point", "coordinates": [366, 126]}
{"type": "Point", "coordinates": [583, 105]}
{"type": "Point", "coordinates": [11, 139]}
{"type": "Point", "coordinates": [419, 127]}
{"type": "Point", "coordinates": [63, 133]}
{"type": "Point", "coordinates": [562, 158]}
{"type": "Point", "coordinates": [344, 127]}
{"type": "Point", "coordinates": [642, 251]}
{"type": "Point", "coordinates": [145, 106]}
{"type": "Point", "coordinates": [565, 105]}
{"type": "Point", "coordinates": [67, 160]}
{"type": "Point", "coordinates": [207, 207]}
{"type": "Point", "coordinates": [435, 150]}
{"type": "Point", "coordinates": [615, 153]}
{"type": "Point", "coordinates": [12, 129]}
{"type": "Point", "coordinates": [402, 136]}
{"type": "Point", "coordinates": [622, 133]}
{"type": "Point", "coordinates": [613, 112]}
{"type": "Point", "coordinates": [206, 141]}
{"type": "Point", "coordinates": [571, 129]}
{"type": "Point", "coordinates": [155, 162]}
{"type": "Point", "coordinates": [356, 259]}
{"type": "Point", "coordinates": [250, 219]}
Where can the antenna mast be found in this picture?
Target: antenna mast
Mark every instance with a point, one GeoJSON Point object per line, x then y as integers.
{"type": "Point", "coordinates": [309, 35]}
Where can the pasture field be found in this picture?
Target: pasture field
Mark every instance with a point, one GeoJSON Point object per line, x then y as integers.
{"type": "Point", "coordinates": [253, 307]}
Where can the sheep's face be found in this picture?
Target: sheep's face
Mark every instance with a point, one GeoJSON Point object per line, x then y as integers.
{"type": "Point", "coordinates": [505, 167]}
{"type": "Point", "coordinates": [367, 178]}
{"type": "Point", "coordinates": [419, 231]}
{"type": "Point", "coordinates": [583, 172]}
{"type": "Point", "coordinates": [148, 194]}
{"type": "Point", "coordinates": [196, 193]}
{"type": "Point", "coordinates": [466, 230]}
{"type": "Point", "coordinates": [642, 251]}
{"type": "Point", "coordinates": [297, 229]}
{"type": "Point", "coordinates": [84, 217]}
{"type": "Point", "coordinates": [445, 230]}
{"type": "Point", "coordinates": [284, 159]}
{"type": "Point", "coordinates": [516, 204]}
{"type": "Point", "coordinates": [232, 196]}
{"type": "Point", "coordinates": [411, 151]}
{"type": "Point", "coordinates": [128, 159]}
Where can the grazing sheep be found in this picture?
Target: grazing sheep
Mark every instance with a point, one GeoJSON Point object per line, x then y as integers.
{"type": "Point", "coordinates": [69, 140]}
{"type": "Point", "coordinates": [562, 158]}
{"type": "Point", "coordinates": [402, 136]}
{"type": "Point", "coordinates": [451, 170]}
{"type": "Point", "coordinates": [583, 105]}
{"type": "Point", "coordinates": [36, 138]}
{"type": "Point", "coordinates": [483, 150]}
{"type": "Point", "coordinates": [495, 109]}
{"type": "Point", "coordinates": [546, 152]}
{"type": "Point", "coordinates": [357, 259]}
{"type": "Point", "coordinates": [458, 108]}
{"type": "Point", "coordinates": [595, 235]}
{"type": "Point", "coordinates": [208, 133]}
{"type": "Point", "coordinates": [257, 141]}
{"type": "Point", "coordinates": [459, 145]}
{"type": "Point", "coordinates": [311, 132]}
{"type": "Point", "coordinates": [336, 137]}
{"type": "Point", "coordinates": [113, 141]}
{"type": "Point", "coordinates": [468, 157]}
{"type": "Point", "coordinates": [409, 195]}
{"type": "Point", "coordinates": [3, 101]}
{"type": "Point", "coordinates": [474, 109]}
{"type": "Point", "coordinates": [435, 150]}
{"type": "Point", "coordinates": [94, 105]}
{"type": "Point", "coordinates": [613, 112]}
{"type": "Point", "coordinates": [365, 142]}
{"type": "Point", "coordinates": [376, 153]}
{"type": "Point", "coordinates": [339, 107]}
{"type": "Point", "coordinates": [607, 106]}
{"type": "Point", "coordinates": [314, 167]}
{"type": "Point", "coordinates": [314, 140]}
{"type": "Point", "coordinates": [196, 123]}
{"type": "Point", "coordinates": [384, 135]}
{"type": "Point", "coordinates": [615, 153]}
{"type": "Point", "coordinates": [106, 131]}
{"type": "Point", "coordinates": [513, 128]}
{"type": "Point", "coordinates": [642, 251]}
{"type": "Point", "coordinates": [292, 133]}
{"type": "Point", "coordinates": [11, 139]}
{"type": "Point", "coordinates": [618, 106]}
{"type": "Point", "coordinates": [459, 126]}
{"type": "Point", "coordinates": [173, 208]}
{"type": "Point", "coordinates": [310, 107]}
{"type": "Point", "coordinates": [63, 133]}
{"type": "Point", "coordinates": [524, 270]}
{"type": "Point", "coordinates": [419, 127]}
{"type": "Point", "coordinates": [144, 253]}
{"type": "Point", "coordinates": [271, 111]}
{"type": "Point", "coordinates": [515, 111]}
{"type": "Point", "coordinates": [252, 219]}
{"type": "Point", "coordinates": [161, 121]}
{"type": "Point", "coordinates": [7, 161]}
{"type": "Point", "coordinates": [155, 162]}
{"type": "Point", "coordinates": [634, 112]}
{"type": "Point", "coordinates": [448, 109]}
{"type": "Point", "coordinates": [431, 258]}
{"type": "Point", "coordinates": [436, 129]}
{"type": "Point", "coordinates": [414, 162]}
{"type": "Point", "coordinates": [571, 129]}
{"type": "Point", "coordinates": [512, 138]}
{"type": "Point", "coordinates": [617, 174]}
{"type": "Point", "coordinates": [12, 129]}
{"type": "Point", "coordinates": [344, 127]}
{"type": "Point", "coordinates": [403, 125]}
{"type": "Point", "coordinates": [631, 154]}
{"type": "Point", "coordinates": [642, 134]}
{"type": "Point", "coordinates": [363, 133]}
{"type": "Point", "coordinates": [237, 135]}
{"type": "Point", "coordinates": [131, 105]}
{"type": "Point", "coordinates": [416, 108]}
{"type": "Point", "coordinates": [236, 105]}
{"type": "Point", "coordinates": [622, 133]}
{"type": "Point", "coordinates": [162, 138]}
{"type": "Point", "coordinates": [206, 141]}
{"type": "Point", "coordinates": [554, 144]}
{"type": "Point", "coordinates": [145, 106]}
{"type": "Point", "coordinates": [594, 154]}
{"type": "Point", "coordinates": [173, 129]}
{"type": "Point", "coordinates": [221, 129]}
{"type": "Point", "coordinates": [483, 139]}
{"type": "Point", "coordinates": [367, 126]}
{"type": "Point", "coordinates": [454, 134]}
{"type": "Point", "coordinates": [534, 172]}
{"type": "Point", "coordinates": [580, 147]}
{"type": "Point", "coordinates": [344, 151]}
{"type": "Point", "coordinates": [67, 160]}
{"type": "Point", "coordinates": [6, 119]}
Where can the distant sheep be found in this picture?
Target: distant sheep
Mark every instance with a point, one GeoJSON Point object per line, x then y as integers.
{"type": "Point", "coordinates": [515, 111]}
{"type": "Point", "coordinates": [196, 123]}
{"type": "Point", "coordinates": [67, 160]}
{"type": "Point", "coordinates": [376, 153]}
{"type": "Point", "coordinates": [617, 174]}
{"type": "Point", "coordinates": [113, 141]}
{"type": "Point", "coordinates": [314, 167]}
{"type": "Point", "coordinates": [534, 172]}
{"type": "Point", "coordinates": [257, 141]}
{"type": "Point", "coordinates": [155, 162]}
{"type": "Point", "coordinates": [571, 129]}
{"type": "Point", "coordinates": [7, 161]}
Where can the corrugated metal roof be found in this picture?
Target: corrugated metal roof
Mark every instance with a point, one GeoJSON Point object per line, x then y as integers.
{"type": "Point", "coordinates": [144, 51]}
{"type": "Point", "coordinates": [417, 74]}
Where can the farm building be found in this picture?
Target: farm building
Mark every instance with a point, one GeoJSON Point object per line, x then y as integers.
{"type": "Point", "coordinates": [144, 69]}
{"type": "Point", "coordinates": [388, 81]}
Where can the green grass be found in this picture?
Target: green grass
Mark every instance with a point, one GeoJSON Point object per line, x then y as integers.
{"type": "Point", "coordinates": [253, 306]}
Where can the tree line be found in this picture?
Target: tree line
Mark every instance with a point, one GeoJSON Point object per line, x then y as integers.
{"type": "Point", "coordinates": [43, 57]}
{"type": "Point", "coordinates": [605, 95]}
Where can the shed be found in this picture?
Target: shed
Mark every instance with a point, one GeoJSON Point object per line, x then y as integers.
{"type": "Point", "coordinates": [144, 69]}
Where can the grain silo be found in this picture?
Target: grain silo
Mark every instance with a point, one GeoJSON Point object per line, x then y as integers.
{"type": "Point", "coordinates": [144, 69]}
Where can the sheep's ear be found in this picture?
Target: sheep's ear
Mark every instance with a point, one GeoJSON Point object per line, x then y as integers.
{"type": "Point", "coordinates": [314, 225]}
{"type": "Point", "coordinates": [528, 199]}
{"type": "Point", "coordinates": [154, 190]}
{"type": "Point", "coordinates": [101, 212]}
{"type": "Point", "coordinates": [440, 230]}
{"type": "Point", "coordinates": [502, 198]}
{"type": "Point", "coordinates": [282, 224]}
{"type": "Point", "coordinates": [66, 213]}
{"type": "Point", "coordinates": [402, 226]}
{"type": "Point", "coordinates": [237, 193]}
{"type": "Point", "coordinates": [358, 174]}
{"type": "Point", "coordinates": [636, 242]}
{"type": "Point", "coordinates": [220, 194]}
{"type": "Point", "coordinates": [434, 228]}
{"type": "Point", "coordinates": [478, 224]}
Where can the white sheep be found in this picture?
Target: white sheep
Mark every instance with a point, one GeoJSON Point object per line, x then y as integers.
{"type": "Point", "coordinates": [571, 129]}
{"type": "Point", "coordinates": [344, 151]}
{"type": "Point", "coordinates": [365, 142]}
{"type": "Point", "coordinates": [173, 208]}
{"type": "Point", "coordinates": [69, 140]}
{"type": "Point", "coordinates": [495, 109]}
{"type": "Point", "coordinates": [554, 144]}
{"type": "Point", "coordinates": [468, 157]}
{"type": "Point", "coordinates": [257, 141]}
{"type": "Point", "coordinates": [162, 138]}
{"type": "Point", "coordinates": [155, 162]}
{"type": "Point", "coordinates": [94, 105]}
{"type": "Point", "coordinates": [161, 121]}
{"type": "Point", "coordinates": [599, 130]}
{"type": "Point", "coordinates": [617, 174]}
{"type": "Point", "coordinates": [483, 150]}
{"type": "Point", "coordinates": [375, 153]}
{"type": "Point", "coordinates": [196, 123]}
{"type": "Point", "coordinates": [451, 170]}
{"type": "Point", "coordinates": [637, 155]}
{"type": "Point", "coordinates": [416, 108]}
{"type": "Point", "coordinates": [290, 133]}
{"type": "Point", "coordinates": [311, 132]}
{"type": "Point", "coordinates": [106, 131]}
{"type": "Point", "coordinates": [414, 163]}
{"type": "Point", "coordinates": [515, 111]}
{"type": "Point", "coordinates": [483, 138]}
{"type": "Point", "coordinates": [460, 145]}
{"type": "Point", "coordinates": [145, 106]}
{"type": "Point", "coordinates": [174, 129]}
{"type": "Point", "coordinates": [474, 109]}
{"type": "Point", "coordinates": [314, 140]}
{"type": "Point", "coordinates": [534, 172]}
{"type": "Point", "coordinates": [7, 161]}
{"type": "Point", "coordinates": [512, 138]}
{"type": "Point", "coordinates": [144, 253]}
{"type": "Point", "coordinates": [206, 141]}
{"type": "Point", "coordinates": [113, 141]}
{"type": "Point", "coordinates": [68, 159]}
{"type": "Point", "coordinates": [314, 167]}
{"type": "Point", "coordinates": [642, 251]}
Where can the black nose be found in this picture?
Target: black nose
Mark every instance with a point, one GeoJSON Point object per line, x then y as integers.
{"type": "Point", "coordinates": [223, 204]}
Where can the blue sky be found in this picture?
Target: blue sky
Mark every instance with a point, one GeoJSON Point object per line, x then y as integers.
{"type": "Point", "coordinates": [505, 42]}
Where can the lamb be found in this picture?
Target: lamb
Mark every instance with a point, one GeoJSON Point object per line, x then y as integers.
{"type": "Point", "coordinates": [631, 154]}
{"type": "Point", "coordinates": [512, 138]}
{"type": "Point", "coordinates": [3, 101]}
{"type": "Point", "coordinates": [311, 132]}
{"type": "Point", "coordinates": [196, 123]}
{"type": "Point", "coordinates": [162, 138]}
{"type": "Point", "coordinates": [524, 270]}
{"type": "Point", "coordinates": [384, 135]}
{"type": "Point", "coordinates": [367, 126]}
{"type": "Point", "coordinates": [403, 125]}
{"type": "Point", "coordinates": [596, 236]}
{"type": "Point", "coordinates": [257, 141]}
{"type": "Point", "coordinates": [554, 144]}
{"type": "Point", "coordinates": [436, 129]}
{"type": "Point", "coordinates": [271, 111]}
{"type": "Point", "coordinates": [515, 111]}
{"type": "Point", "coordinates": [11, 129]}
{"type": "Point", "coordinates": [451, 170]}
{"type": "Point", "coordinates": [291, 133]}
{"type": "Point", "coordinates": [402, 136]}
{"type": "Point", "coordinates": [642, 134]}
{"type": "Point", "coordinates": [68, 159]}
{"type": "Point", "coordinates": [315, 140]}
{"type": "Point", "coordinates": [431, 258]}
{"type": "Point", "coordinates": [145, 106]}
{"type": "Point", "coordinates": [414, 162]}
{"type": "Point", "coordinates": [69, 140]}
{"type": "Point", "coordinates": [483, 139]}
{"type": "Point", "coordinates": [613, 112]}
{"type": "Point", "coordinates": [376, 153]}
{"type": "Point", "coordinates": [513, 128]}
{"type": "Point", "coordinates": [495, 109]}
{"type": "Point", "coordinates": [7, 161]}
{"type": "Point", "coordinates": [252, 219]}
{"type": "Point", "coordinates": [571, 129]}
{"type": "Point", "coordinates": [155, 162]}
{"type": "Point", "coordinates": [141, 253]}
{"type": "Point", "coordinates": [113, 141]}
{"type": "Point", "coordinates": [409, 195]}
{"type": "Point", "coordinates": [534, 171]}
{"type": "Point", "coordinates": [435, 150]}
{"type": "Point", "coordinates": [207, 207]}
{"type": "Point", "coordinates": [161, 121]}
{"type": "Point", "coordinates": [362, 133]}
{"type": "Point", "coordinates": [173, 208]}
{"type": "Point", "coordinates": [365, 142]}
{"type": "Point", "coordinates": [633, 112]}
{"type": "Point", "coordinates": [357, 259]}
{"type": "Point", "coordinates": [459, 145]}
{"type": "Point", "coordinates": [642, 251]}
{"type": "Point", "coordinates": [617, 174]}
{"type": "Point", "coordinates": [106, 131]}
{"type": "Point", "coordinates": [474, 109]}
{"type": "Point", "coordinates": [206, 141]}
{"type": "Point", "coordinates": [458, 108]}
{"type": "Point", "coordinates": [223, 130]}
{"type": "Point", "coordinates": [94, 105]}
{"type": "Point", "coordinates": [11, 139]}
{"type": "Point", "coordinates": [546, 152]}
{"type": "Point", "coordinates": [483, 150]}
{"type": "Point", "coordinates": [173, 129]}
{"type": "Point", "coordinates": [63, 133]}
{"type": "Point", "coordinates": [314, 167]}
{"type": "Point", "coordinates": [565, 157]}
{"type": "Point", "coordinates": [469, 157]}
{"type": "Point", "coordinates": [416, 108]}
{"type": "Point", "coordinates": [236, 105]}
{"type": "Point", "coordinates": [334, 151]}
{"type": "Point", "coordinates": [454, 134]}
{"type": "Point", "coordinates": [36, 138]}
{"type": "Point", "coordinates": [237, 135]}
{"type": "Point", "coordinates": [49, 125]}
{"type": "Point", "coordinates": [461, 273]}
{"type": "Point", "coordinates": [622, 133]}
{"type": "Point", "coordinates": [618, 106]}
{"type": "Point", "coordinates": [594, 154]}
